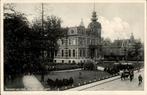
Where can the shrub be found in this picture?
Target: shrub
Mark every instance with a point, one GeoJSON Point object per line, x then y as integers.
{"type": "Point", "coordinates": [70, 81]}
{"type": "Point", "coordinates": [51, 83]}
{"type": "Point", "coordinates": [89, 66]}
{"type": "Point", "coordinates": [60, 82]}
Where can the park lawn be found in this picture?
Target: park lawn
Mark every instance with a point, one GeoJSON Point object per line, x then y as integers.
{"type": "Point", "coordinates": [86, 76]}
{"type": "Point", "coordinates": [66, 66]}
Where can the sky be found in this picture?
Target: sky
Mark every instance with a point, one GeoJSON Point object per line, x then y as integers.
{"type": "Point", "coordinates": [118, 20]}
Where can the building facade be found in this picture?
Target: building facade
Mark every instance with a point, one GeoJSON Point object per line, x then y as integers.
{"type": "Point", "coordinates": [81, 44]}
{"type": "Point", "coordinates": [120, 48]}
{"type": "Point", "coordinates": [85, 44]}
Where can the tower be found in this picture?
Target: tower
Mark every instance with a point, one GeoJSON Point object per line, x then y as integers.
{"type": "Point", "coordinates": [94, 32]}
{"type": "Point", "coordinates": [132, 37]}
{"type": "Point", "coordinates": [95, 27]}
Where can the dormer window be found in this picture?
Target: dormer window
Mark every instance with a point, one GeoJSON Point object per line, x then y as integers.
{"type": "Point", "coordinates": [72, 31]}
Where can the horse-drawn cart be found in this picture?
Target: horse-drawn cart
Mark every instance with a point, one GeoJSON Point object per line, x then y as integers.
{"type": "Point", "coordinates": [126, 70]}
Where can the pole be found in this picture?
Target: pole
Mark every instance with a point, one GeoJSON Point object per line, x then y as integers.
{"type": "Point", "coordinates": [66, 44]}
{"type": "Point", "coordinates": [42, 41]}
{"type": "Point", "coordinates": [42, 18]}
{"type": "Point", "coordinates": [42, 28]}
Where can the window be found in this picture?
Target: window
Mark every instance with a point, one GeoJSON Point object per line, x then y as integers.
{"type": "Point", "coordinates": [62, 41]}
{"type": "Point", "coordinates": [80, 53]}
{"type": "Point", "coordinates": [45, 53]}
{"type": "Point", "coordinates": [69, 41]}
{"type": "Point", "coordinates": [73, 61]}
{"type": "Point", "coordinates": [74, 53]}
{"type": "Point", "coordinates": [81, 40]}
{"type": "Point", "coordinates": [83, 52]}
{"type": "Point", "coordinates": [69, 53]}
{"type": "Point", "coordinates": [88, 41]}
{"type": "Point", "coordinates": [62, 61]}
{"type": "Point", "coordinates": [73, 42]}
{"type": "Point", "coordinates": [62, 53]}
{"type": "Point", "coordinates": [56, 52]}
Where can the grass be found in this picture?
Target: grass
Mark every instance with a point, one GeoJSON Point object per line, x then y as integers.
{"type": "Point", "coordinates": [66, 66]}
{"type": "Point", "coordinates": [86, 76]}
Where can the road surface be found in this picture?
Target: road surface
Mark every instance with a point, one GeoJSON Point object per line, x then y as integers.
{"type": "Point", "coordinates": [114, 85]}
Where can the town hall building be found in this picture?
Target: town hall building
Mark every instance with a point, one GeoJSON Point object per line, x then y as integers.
{"type": "Point", "coordinates": [81, 44]}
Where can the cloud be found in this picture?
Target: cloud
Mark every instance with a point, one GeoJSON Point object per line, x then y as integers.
{"type": "Point", "coordinates": [115, 28]}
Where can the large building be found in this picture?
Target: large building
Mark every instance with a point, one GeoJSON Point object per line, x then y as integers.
{"type": "Point", "coordinates": [85, 44]}
{"type": "Point", "coordinates": [81, 44]}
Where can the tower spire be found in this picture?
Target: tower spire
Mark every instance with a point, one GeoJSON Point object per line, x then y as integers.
{"type": "Point", "coordinates": [94, 6]}
{"type": "Point", "coordinates": [81, 23]}
{"type": "Point", "coordinates": [132, 36]}
{"type": "Point", "coordinates": [94, 16]}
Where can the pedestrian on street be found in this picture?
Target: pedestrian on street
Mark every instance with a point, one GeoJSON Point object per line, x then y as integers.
{"type": "Point", "coordinates": [139, 79]}
{"type": "Point", "coordinates": [131, 75]}
{"type": "Point", "coordinates": [121, 74]}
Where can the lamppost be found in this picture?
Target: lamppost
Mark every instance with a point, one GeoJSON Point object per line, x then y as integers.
{"type": "Point", "coordinates": [66, 44]}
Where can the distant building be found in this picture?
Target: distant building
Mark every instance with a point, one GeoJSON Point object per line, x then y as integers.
{"type": "Point", "coordinates": [81, 44]}
{"type": "Point", "coordinates": [119, 48]}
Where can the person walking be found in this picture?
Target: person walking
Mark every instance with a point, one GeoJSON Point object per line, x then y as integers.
{"type": "Point", "coordinates": [131, 75]}
{"type": "Point", "coordinates": [121, 74]}
{"type": "Point", "coordinates": [139, 79]}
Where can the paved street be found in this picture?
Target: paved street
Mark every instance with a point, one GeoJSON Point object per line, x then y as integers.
{"type": "Point", "coordinates": [113, 85]}
{"type": "Point", "coordinates": [32, 83]}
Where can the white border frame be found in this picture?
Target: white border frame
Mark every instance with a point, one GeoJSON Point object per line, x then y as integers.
{"type": "Point", "coordinates": [73, 92]}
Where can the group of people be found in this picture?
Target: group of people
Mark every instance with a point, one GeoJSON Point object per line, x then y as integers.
{"type": "Point", "coordinates": [130, 74]}
{"type": "Point", "coordinates": [126, 74]}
